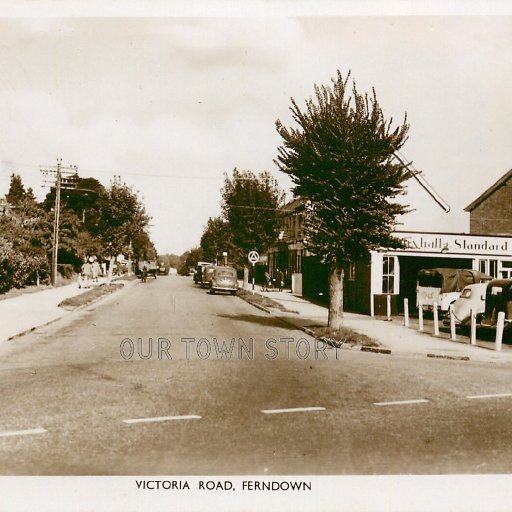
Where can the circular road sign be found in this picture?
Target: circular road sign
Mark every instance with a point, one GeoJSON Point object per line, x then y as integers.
{"type": "Point", "coordinates": [253, 257]}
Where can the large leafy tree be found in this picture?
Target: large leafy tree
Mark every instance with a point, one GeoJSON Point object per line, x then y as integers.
{"type": "Point", "coordinates": [26, 238]}
{"type": "Point", "coordinates": [341, 160]}
{"type": "Point", "coordinates": [79, 220]}
{"type": "Point", "coordinates": [217, 238]}
{"type": "Point", "coordinates": [123, 223]}
{"type": "Point", "coordinates": [250, 204]}
{"type": "Point", "coordinates": [84, 200]}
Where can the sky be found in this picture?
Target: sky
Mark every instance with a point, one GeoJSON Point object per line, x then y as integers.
{"type": "Point", "coordinates": [172, 103]}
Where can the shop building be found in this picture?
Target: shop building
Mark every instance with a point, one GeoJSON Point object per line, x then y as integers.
{"type": "Point", "coordinates": [487, 248]}
{"type": "Point", "coordinates": [394, 272]}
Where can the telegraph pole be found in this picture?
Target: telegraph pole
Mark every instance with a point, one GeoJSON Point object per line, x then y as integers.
{"type": "Point", "coordinates": [55, 251]}
{"type": "Point", "coordinates": [72, 173]}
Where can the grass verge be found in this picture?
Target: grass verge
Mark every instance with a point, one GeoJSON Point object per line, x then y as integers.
{"type": "Point", "coordinates": [344, 336]}
{"type": "Point", "coordinates": [89, 296]}
{"type": "Point", "coordinates": [261, 301]}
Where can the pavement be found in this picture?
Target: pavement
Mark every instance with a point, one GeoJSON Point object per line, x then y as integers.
{"type": "Point", "coordinates": [391, 334]}
{"type": "Point", "coordinates": [26, 312]}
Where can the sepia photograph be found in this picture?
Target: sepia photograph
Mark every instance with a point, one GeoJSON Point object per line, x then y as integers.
{"type": "Point", "coordinates": [255, 258]}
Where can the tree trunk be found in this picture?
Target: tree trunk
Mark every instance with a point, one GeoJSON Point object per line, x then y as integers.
{"type": "Point", "coordinates": [110, 270]}
{"type": "Point", "coordinates": [335, 320]}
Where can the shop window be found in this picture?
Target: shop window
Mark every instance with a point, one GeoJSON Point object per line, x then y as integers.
{"type": "Point", "coordinates": [506, 269]}
{"type": "Point", "coordinates": [489, 267]}
{"type": "Point", "coordinates": [388, 274]}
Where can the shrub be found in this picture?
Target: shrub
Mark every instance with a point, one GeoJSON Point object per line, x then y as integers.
{"type": "Point", "coordinates": [66, 270]}
{"type": "Point", "coordinates": [18, 269]}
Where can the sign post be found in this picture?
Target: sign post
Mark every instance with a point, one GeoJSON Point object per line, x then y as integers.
{"type": "Point", "coordinates": [253, 257]}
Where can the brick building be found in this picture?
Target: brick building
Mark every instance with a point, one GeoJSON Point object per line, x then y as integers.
{"type": "Point", "coordinates": [491, 212]}
{"type": "Point", "coordinates": [288, 253]}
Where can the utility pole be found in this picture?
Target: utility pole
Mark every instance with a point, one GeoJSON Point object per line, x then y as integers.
{"type": "Point", "coordinates": [69, 182]}
{"type": "Point", "coordinates": [55, 250]}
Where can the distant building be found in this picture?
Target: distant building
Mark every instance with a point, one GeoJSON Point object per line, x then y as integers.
{"type": "Point", "coordinates": [288, 253]}
{"type": "Point", "coordinates": [491, 212]}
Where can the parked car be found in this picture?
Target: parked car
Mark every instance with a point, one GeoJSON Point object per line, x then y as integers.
{"type": "Point", "coordinates": [471, 297]}
{"type": "Point", "coordinates": [206, 279]}
{"type": "Point", "coordinates": [198, 274]}
{"type": "Point", "coordinates": [498, 298]}
{"type": "Point", "coordinates": [444, 285]}
{"type": "Point", "coordinates": [224, 279]}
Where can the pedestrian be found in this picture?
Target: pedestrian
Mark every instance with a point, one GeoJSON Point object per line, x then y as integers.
{"type": "Point", "coordinates": [86, 274]}
{"type": "Point", "coordinates": [280, 279]}
{"type": "Point", "coordinates": [96, 269]}
{"type": "Point", "coordinates": [268, 282]}
{"type": "Point", "coordinates": [144, 273]}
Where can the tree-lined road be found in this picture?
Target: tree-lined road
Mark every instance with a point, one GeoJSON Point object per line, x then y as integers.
{"type": "Point", "coordinates": [66, 394]}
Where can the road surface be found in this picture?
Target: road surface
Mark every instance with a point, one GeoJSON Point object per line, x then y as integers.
{"type": "Point", "coordinates": [75, 400]}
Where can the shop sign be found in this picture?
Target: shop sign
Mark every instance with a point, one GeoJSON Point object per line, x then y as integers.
{"type": "Point", "coordinates": [456, 244]}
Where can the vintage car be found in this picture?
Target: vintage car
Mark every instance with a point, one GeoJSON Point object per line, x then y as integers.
{"type": "Point", "coordinates": [442, 286]}
{"type": "Point", "coordinates": [150, 266]}
{"type": "Point", "coordinates": [471, 297]}
{"type": "Point", "coordinates": [498, 298]}
{"type": "Point", "coordinates": [206, 278]}
{"type": "Point", "coordinates": [224, 279]}
{"type": "Point", "coordinates": [198, 274]}
{"type": "Point", "coordinates": [163, 270]}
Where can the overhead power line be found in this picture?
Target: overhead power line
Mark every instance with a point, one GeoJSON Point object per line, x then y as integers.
{"type": "Point", "coordinates": [92, 172]}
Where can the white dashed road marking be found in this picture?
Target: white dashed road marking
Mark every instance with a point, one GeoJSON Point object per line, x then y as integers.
{"type": "Point", "coordinates": [295, 409]}
{"type": "Point", "coordinates": [23, 432]}
{"type": "Point", "coordinates": [163, 418]}
{"type": "Point", "coordinates": [497, 395]}
{"type": "Point", "coordinates": [403, 402]}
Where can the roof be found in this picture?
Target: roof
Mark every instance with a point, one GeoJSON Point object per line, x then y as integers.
{"type": "Point", "coordinates": [294, 204]}
{"type": "Point", "coordinates": [493, 188]}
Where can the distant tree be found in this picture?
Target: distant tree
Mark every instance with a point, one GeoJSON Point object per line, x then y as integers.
{"type": "Point", "coordinates": [30, 195]}
{"type": "Point", "coordinates": [84, 200]}
{"type": "Point", "coordinates": [70, 249]}
{"type": "Point", "coordinates": [123, 222]}
{"type": "Point", "coordinates": [340, 159]}
{"type": "Point", "coordinates": [191, 258]}
{"type": "Point", "coordinates": [172, 260]}
{"type": "Point", "coordinates": [16, 192]}
{"type": "Point", "coordinates": [217, 239]}
{"type": "Point", "coordinates": [79, 230]}
{"type": "Point", "coordinates": [250, 204]}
